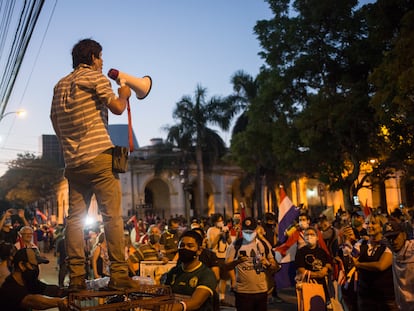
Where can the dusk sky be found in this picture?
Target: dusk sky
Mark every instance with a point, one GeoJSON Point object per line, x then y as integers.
{"type": "Point", "coordinates": [179, 43]}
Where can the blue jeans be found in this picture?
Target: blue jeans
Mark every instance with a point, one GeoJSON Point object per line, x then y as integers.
{"type": "Point", "coordinates": [95, 177]}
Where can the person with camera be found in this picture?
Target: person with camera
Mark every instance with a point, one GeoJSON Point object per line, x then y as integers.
{"type": "Point", "coordinates": [249, 257]}
{"type": "Point", "coordinates": [10, 232]}
{"type": "Point", "coordinates": [79, 113]}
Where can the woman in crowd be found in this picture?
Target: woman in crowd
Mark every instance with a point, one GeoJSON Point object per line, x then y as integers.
{"type": "Point", "coordinates": [373, 260]}
{"type": "Point", "coordinates": [100, 258]}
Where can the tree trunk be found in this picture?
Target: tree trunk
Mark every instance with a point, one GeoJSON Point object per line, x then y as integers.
{"type": "Point", "coordinates": [346, 191]}
{"type": "Point", "coordinates": [200, 181]}
{"type": "Point", "coordinates": [258, 193]}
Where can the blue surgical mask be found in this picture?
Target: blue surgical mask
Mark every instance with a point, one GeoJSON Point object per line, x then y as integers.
{"type": "Point", "coordinates": [249, 236]}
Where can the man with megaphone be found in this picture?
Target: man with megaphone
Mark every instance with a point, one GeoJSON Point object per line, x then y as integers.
{"type": "Point", "coordinates": [79, 114]}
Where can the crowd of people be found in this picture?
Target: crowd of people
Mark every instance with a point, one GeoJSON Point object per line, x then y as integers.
{"type": "Point", "coordinates": [362, 256]}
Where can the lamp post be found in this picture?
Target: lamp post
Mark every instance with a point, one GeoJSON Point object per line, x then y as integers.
{"type": "Point", "coordinates": [20, 113]}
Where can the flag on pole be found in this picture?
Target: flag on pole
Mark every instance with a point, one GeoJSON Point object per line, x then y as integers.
{"type": "Point", "coordinates": [41, 215]}
{"type": "Point", "coordinates": [367, 210]}
{"type": "Point", "coordinates": [242, 212]}
{"type": "Point", "coordinates": [287, 214]}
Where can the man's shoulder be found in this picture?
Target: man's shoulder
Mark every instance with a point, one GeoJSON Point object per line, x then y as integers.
{"type": "Point", "coordinates": [10, 285]}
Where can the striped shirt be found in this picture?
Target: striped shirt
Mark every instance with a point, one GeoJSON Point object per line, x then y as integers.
{"type": "Point", "coordinates": [79, 115]}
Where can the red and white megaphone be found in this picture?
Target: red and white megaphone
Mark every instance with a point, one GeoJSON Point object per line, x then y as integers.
{"type": "Point", "coordinates": [141, 86]}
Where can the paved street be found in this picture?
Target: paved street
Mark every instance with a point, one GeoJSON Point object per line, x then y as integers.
{"type": "Point", "coordinates": [49, 274]}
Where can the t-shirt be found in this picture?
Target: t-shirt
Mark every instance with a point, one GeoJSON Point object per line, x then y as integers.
{"type": "Point", "coordinates": [185, 282]}
{"type": "Point", "coordinates": [248, 279]}
{"type": "Point", "coordinates": [312, 259]}
{"type": "Point", "coordinates": [221, 247]}
{"type": "Point", "coordinates": [12, 294]}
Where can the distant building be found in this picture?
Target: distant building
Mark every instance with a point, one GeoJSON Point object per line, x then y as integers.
{"type": "Point", "coordinates": [148, 191]}
{"type": "Point", "coordinates": [119, 135]}
{"type": "Point", "coordinates": [51, 149]}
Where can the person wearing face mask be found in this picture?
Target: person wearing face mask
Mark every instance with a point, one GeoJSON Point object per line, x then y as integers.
{"type": "Point", "coordinates": [218, 240]}
{"type": "Point", "coordinates": [297, 237]}
{"type": "Point", "coordinates": [152, 249]}
{"type": "Point", "coordinates": [311, 258]}
{"type": "Point", "coordinates": [357, 223]}
{"type": "Point", "coordinates": [191, 281]}
{"type": "Point", "coordinates": [286, 252]}
{"type": "Point", "coordinates": [22, 290]}
{"type": "Point", "coordinates": [169, 239]}
{"type": "Point", "coordinates": [250, 259]}
{"type": "Point", "coordinates": [329, 234]}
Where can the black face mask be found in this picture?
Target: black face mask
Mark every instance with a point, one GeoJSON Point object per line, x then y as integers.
{"type": "Point", "coordinates": [30, 278]}
{"type": "Point", "coordinates": [154, 238]}
{"type": "Point", "coordinates": [186, 255]}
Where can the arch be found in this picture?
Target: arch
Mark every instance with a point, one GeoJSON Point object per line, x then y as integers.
{"type": "Point", "coordinates": [157, 198]}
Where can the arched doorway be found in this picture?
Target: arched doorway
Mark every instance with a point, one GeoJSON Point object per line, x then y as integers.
{"type": "Point", "coordinates": [157, 199]}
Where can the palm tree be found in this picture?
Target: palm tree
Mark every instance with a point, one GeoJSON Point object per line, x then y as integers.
{"type": "Point", "coordinates": [246, 89]}
{"type": "Point", "coordinates": [246, 92]}
{"type": "Point", "coordinates": [192, 131]}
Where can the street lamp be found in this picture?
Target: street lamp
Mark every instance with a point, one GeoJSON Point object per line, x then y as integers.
{"type": "Point", "coordinates": [20, 113]}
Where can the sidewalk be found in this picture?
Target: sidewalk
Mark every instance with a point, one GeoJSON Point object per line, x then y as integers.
{"type": "Point", "coordinates": [49, 275]}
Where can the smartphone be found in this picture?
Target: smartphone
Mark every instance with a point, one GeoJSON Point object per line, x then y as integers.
{"type": "Point", "coordinates": [243, 253]}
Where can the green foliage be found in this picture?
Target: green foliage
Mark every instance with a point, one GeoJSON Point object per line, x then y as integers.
{"type": "Point", "coordinates": [311, 113]}
{"type": "Point", "coordinates": [28, 179]}
{"type": "Point", "coordinates": [192, 134]}
{"type": "Point", "coordinates": [394, 97]}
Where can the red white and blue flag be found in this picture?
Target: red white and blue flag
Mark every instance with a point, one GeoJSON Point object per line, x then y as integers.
{"type": "Point", "coordinates": [287, 214]}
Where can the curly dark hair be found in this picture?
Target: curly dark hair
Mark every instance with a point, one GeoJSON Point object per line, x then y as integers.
{"type": "Point", "coordinates": [83, 50]}
{"type": "Point", "coordinates": [192, 234]}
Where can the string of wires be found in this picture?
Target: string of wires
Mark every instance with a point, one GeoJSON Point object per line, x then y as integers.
{"type": "Point", "coordinates": [11, 59]}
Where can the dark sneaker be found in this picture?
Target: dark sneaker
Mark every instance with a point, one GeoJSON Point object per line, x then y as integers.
{"type": "Point", "coordinates": [275, 299]}
{"type": "Point", "coordinates": [123, 284]}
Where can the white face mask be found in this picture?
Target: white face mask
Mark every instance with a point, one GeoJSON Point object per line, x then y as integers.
{"type": "Point", "coordinates": [303, 225]}
{"type": "Point", "coordinates": [249, 236]}
{"type": "Point", "coordinates": [220, 224]}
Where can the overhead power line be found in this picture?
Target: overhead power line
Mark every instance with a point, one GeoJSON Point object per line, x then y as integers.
{"type": "Point", "coordinates": [26, 22]}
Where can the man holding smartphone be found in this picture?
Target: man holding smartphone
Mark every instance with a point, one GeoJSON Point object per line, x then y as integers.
{"type": "Point", "coordinates": [249, 258]}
